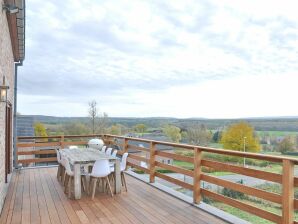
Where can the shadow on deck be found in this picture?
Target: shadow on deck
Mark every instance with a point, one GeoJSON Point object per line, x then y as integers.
{"type": "Point", "coordinates": [36, 196]}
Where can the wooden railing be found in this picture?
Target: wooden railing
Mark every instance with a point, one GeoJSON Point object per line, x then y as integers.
{"type": "Point", "coordinates": [287, 180]}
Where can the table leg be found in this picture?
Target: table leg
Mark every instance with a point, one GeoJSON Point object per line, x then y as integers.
{"type": "Point", "coordinates": [77, 181]}
{"type": "Point", "coordinates": [117, 177]}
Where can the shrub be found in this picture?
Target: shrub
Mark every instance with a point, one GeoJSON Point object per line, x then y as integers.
{"type": "Point", "coordinates": [232, 193]}
{"type": "Point", "coordinates": [208, 169]}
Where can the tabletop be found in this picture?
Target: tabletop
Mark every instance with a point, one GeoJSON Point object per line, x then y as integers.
{"type": "Point", "coordinates": [85, 155]}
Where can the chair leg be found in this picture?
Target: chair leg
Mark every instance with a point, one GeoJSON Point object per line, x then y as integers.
{"type": "Point", "coordinates": [66, 183]}
{"type": "Point", "coordinates": [59, 171]}
{"type": "Point", "coordinates": [70, 183]}
{"type": "Point", "coordinates": [93, 184]}
{"type": "Point", "coordinates": [84, 183]}
{"type": "Point", "coordinates": [109, 185]}
{"type": "Point", "coordinates": [103, 185]}
{"type": "Point", "coordinates": [123, 177]}
{"type": "Point", "coordinates": [63, 173]}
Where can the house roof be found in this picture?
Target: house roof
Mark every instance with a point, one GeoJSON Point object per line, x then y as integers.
{"type": "Point", "coordinates": [16, 24]}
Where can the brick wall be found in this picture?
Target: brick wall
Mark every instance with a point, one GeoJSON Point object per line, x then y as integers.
{"type": "Point", "coordinates": [7, 70]}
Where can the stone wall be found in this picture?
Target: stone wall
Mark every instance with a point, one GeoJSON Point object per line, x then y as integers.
{"type": "Point", "coordinates": [7, 70]}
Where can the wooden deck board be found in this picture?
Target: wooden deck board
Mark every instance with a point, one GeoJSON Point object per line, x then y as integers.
{"type": "Point", "coordinates": [36, 196]}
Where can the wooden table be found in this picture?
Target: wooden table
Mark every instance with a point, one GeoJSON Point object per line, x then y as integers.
{"type": "Point", "coordinates": [88, 156]}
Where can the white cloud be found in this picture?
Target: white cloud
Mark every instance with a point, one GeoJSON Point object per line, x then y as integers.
{"type": "Point", "coordinates": [180, 58]}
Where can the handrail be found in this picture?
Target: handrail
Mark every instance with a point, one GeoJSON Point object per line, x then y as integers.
{"type": "Point", "coordinates": [286, 179]}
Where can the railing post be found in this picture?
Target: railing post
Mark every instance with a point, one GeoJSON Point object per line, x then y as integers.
{"type": "Point", "coordinates": [152, 162]}
{"type": "Point", "coordinates": [125, 146]}
{"type": "Point", "coordinates": [288, 192]}
{"type": "Point", "coordinates": [62, 142]}
{"type": "Point", "coordinates": [197, 175]}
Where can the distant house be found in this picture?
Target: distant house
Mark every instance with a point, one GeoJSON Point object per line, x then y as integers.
{"type": "Point", "coordinates": [154, 137]}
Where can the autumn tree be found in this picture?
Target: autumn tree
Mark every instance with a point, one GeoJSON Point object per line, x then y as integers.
{"type": "Point", "coordinates": [40, 130]}
{"type": "Point", "coordinates": [172, 132]}
{"type": "Point", "coordinates": [140, 128]}
{"type": "Point", "coordinates": [198, 135]}
{"type": "Point", "coordinates": [115, 129]}
{"type": "Point", "coordinates": [240, 136]}
{"type": "Point", "coordinates": [287, 144]}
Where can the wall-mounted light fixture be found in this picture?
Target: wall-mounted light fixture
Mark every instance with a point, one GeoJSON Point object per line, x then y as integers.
{"type": "Point", "coordinates": [11, 9]}
{"type": "Point", "coordinates": [3, 91]}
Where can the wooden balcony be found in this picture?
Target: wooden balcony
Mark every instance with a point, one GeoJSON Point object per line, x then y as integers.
{"type": "Point", "coordinates": [32, 151]}
{"type": "Point", "coordinates": [36, 196]}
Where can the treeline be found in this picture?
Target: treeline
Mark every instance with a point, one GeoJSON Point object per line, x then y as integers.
{"type": "Point", "coordinates": [260, 124]}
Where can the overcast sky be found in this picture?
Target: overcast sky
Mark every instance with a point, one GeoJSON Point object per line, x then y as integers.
{"type": "Point", "coordinates": [212, 59]}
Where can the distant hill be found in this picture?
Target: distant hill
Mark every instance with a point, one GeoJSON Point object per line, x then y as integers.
{"type": "Point", "coordinates": [260, 124]}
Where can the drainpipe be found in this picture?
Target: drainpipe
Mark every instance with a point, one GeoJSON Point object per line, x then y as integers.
{"type": "Point", "coordinates": [15, 113]}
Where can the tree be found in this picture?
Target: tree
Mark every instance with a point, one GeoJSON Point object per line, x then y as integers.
{"type": "Point", "coordinates": [287, 144]}
{"type": "Point", "coordinates": [75, 128]}
{"type": "Point", "coordinates": [198, 135]}
{"type": "Point", "coordinates": [115, 129]}
{"type": "Point", "coordinates": [99, 123]}
{"type": "Point", "coordinates": [93, 114]}
{"type": "Point", "coordinates": [172, 132]}
{"type": "Point", "coordinates": [240, 136]}
{"type": "Point", "coordinates": [140, 128]}
{"type": "Point", "coordinates": [216, 136]}
{"type": "Point", "coordinates": [103, 123]}
{"type": "Point", "coordinates": [40, 130]}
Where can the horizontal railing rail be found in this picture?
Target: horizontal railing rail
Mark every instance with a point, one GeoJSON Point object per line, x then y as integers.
{"type": "Point", "coordinates": [145, 156]}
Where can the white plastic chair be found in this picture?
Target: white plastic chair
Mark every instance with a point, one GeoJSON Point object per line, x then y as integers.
{"type": "Point", "coordinates": [122, 169]}
{"type": "Point", "coordinates": [69, 178]}
{"type": "Point", "coordinates": [73, 147]}
{"type": "Point", "coordinates": [114, 153]}
{"type": "Point", "coordinates": [101, 170]}
{"type": "Point", "coordinates": [60, 170]}
{"type": "Point", "coordinates": [103, 149]}
{"type": "Point", "coordinates": [109, 151]}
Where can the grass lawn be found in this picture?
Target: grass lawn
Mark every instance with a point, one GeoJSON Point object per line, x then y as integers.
{"type": "Point", "coordinates": [183, 164]}
{"type": "Point", "coordinates": [220, 173]}
{"type": "Point", "coordinates": [241, 214]}
{"type": "Point", "coordinates": [276, 133]}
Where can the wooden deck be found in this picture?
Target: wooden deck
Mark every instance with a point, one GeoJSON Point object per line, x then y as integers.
{"type": "Point", "coordinates": [35, 196]}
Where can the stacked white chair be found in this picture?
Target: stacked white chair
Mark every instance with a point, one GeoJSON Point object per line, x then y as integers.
{"type": "Point", "coordinates": [109, 151]}
{"type": "Point", "coordinates": [103, 149]}
{"type": "Point", "coordinates": [114, 153]}
{"type": "Point", "coordinates": [101, 170]}
{"type": "Point", "coordinates": [122, 169]}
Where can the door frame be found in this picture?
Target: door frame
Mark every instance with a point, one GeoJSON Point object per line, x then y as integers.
{"type": "Point", "coordinates": [8, 139]}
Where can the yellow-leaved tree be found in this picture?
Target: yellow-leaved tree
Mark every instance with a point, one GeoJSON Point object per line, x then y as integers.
{"type": "Point", "coordinates": [40, 130]}
{"type": "Point", "coordinates": [240, 137]}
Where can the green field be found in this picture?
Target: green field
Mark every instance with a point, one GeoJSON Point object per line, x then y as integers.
{"type": "Point", "coordinates": [276, 133]}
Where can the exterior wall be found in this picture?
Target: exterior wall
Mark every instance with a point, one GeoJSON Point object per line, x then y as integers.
{"type": "Point", "coordinates": [7, 70]}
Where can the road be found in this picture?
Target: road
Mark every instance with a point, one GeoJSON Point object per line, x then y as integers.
{"type": "Point", "coordinates": [248, 181]}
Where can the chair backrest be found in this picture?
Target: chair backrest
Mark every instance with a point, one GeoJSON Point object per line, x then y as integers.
{"type": "Point", "coordinates": [73, 147]}
{"type": "Point", "coordinates": [109, 151]}
{"type": "Point", "coordinates": [103, 149]}
{"type": "Point", "coordinates": [66, 164]}
{"type": "Point", "coordinates": [123, 161]}
{"type": "Point", "coordinates": [58, 155]}
{"type": "Point", "coordinates": [114, 154]}
{"type": "Point", "coordinates": [101, 168]}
